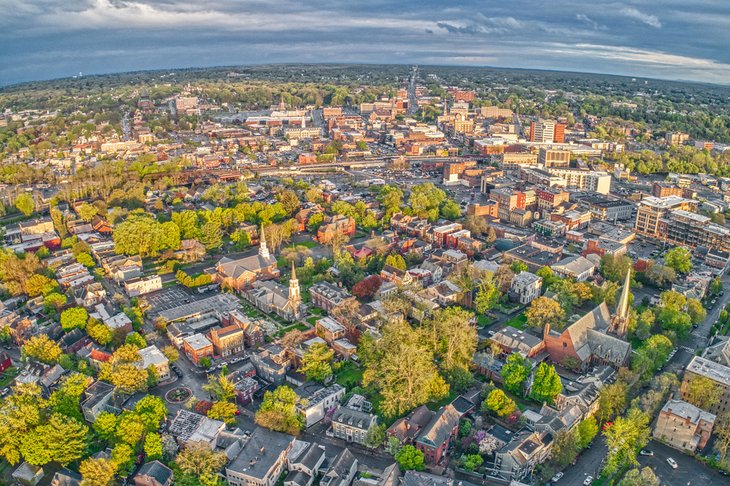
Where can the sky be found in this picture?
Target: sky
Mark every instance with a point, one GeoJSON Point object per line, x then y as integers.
{"type": "Point", "coordinates": [668, 39]}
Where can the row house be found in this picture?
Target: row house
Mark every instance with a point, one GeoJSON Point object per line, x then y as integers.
{"type": "Point", "coordinates": [328, 296]}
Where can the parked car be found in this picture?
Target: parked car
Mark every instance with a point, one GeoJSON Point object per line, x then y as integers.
{"type": "Point", "coordinates": [557, 477]}
{"type": "Point", "coordinates": [672, 463]}
{"type": "Point", "coordinates": [588, 480]}
{"type": "Point", "coordinates": [646, 452]}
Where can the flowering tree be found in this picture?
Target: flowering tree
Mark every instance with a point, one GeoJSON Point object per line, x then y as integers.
{"type": "Point", "coordinates": [488, 444]}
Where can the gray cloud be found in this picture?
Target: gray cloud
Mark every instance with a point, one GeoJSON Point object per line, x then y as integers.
{"type": "Point", "coordinates": [47, 38]}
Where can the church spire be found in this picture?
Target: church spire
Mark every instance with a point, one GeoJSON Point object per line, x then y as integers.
{"type": "Point", "coordinates": [263, 249]}
{"type": "Point", "coordinates": [620, 321]}
{"type": "Point", "coordinates": [295, 297]}
{"type": "Point", "coordinates": [293, 271]}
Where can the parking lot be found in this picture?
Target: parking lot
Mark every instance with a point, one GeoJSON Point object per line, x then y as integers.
{"type": "Point", "coordinates": [168, 298]}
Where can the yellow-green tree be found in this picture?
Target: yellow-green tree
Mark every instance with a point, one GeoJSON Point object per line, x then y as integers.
{"type": "Point", "coordinates": [278, 411]}
{"type": "Point", "coordinates": [317, 362]}
{"type": "Point", "coordinates": [225, 411]}
{"type": "Point", "coordinates": [401, 367]}
{"type": "Point", "coordinates": [97, 472]}
{"type": "Point", "coordinates": [123, 372]}
{"type": "Point", "coordinates": [200, 462]}
{"type": "Point", "coordinates": [42, 348]}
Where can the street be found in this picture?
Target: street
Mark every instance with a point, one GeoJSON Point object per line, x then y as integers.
{"type": "Point", "coordinates": [699, 335]}
{"type": "Point", "coordinates": [589, 463]}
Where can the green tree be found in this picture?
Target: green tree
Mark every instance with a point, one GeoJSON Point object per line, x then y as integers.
{"type": "Point", "coordinates": [86, 211]}
{"type": "Point", "coordinates": [518, 267]}
{"type": "Point", "coordinates": [410, 458]}
{"type": "Point", "coordinates": [450, 210]}
{"type": "Point", "coordinates": [74, 318]}
{"type": "Point", "coordinates": [614, 267]}
{"type": "Point", "coordinates": [487, 294]}
{"type": "Point", "coordinates": [470, 462]}
{"type": "Point", "coordinates": [701, 392]}
{"type": "Point", "coordinates": [515, 373]}
{"type": "Point", "coordinates": [122, 371]}
{"type": "Point", "coordinates": [66, 400]}
{"type": "Point", "coordinates": [680, 259]}
{"type": "Point", "coordinates": [315, 221]}
{"type": "Point", "coordinates": [453, 337]}
{"type": "Point", "coordinates": [211, 235]}
{"type": "Point", "coordinates": [278, 411]}
{"type": "Point", "coordinates": [587, 430]}
{"type": "Point", "coordinates": [375, 436]}
{"type": "Point", "coordinates": [54, 301]}
{"type": "Point", "coordinates": [220, 388]}
{"type": "Point", "coordinates": [499, 403]}
{"type": "Point", "coordinates": [425, 200]}
{"type": "Point", "coordinates": [42, 348]}
{"type": "Point", "coordinates": [25, 204]}
{"type": "Point", "coordinates": [546, 385]}
{"type": "Point", "coordinates": [317, 362]}
{"type": "Point", "coordinates": [639, 477]}
{"type": "Point", "coordinates": [151, 411]}
{"type": "Point", "coordinates": [611, 401]}
{"type": "Point", "coordinates": [171, 353]}
{"type": "Point", "coordinates": [624, 438]}
{"type": "Point", "coordinates": [565, 448]}
{"type": "Point", "coordinates": [85, 259]}
{"type": "Point", "coordinates": [135, 339]}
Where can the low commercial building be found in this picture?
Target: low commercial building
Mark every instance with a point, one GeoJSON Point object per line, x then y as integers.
{"type": "Point", "coordinates": [261, 459]}
{"type": "Point", "coordinates": [197, 347]}
{"type": "Point", "coordinates": [152, 357]}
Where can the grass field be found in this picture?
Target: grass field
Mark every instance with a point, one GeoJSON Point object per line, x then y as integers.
{"type": "Point", "coordinates": [518, 322]}
{"type": "Point", "coordinates": [349, 375]}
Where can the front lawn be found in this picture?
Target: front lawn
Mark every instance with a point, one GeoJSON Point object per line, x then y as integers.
{"type": "Point", "coordinates": [349, 375]}
{"type": "Point", "coordinates": [518, 322]}
{"type": "Point", "coordinates": [444, 401]}
{"type": "Point", "coordinates": [299, 326]}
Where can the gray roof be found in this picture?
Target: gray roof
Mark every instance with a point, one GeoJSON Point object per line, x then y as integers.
{"type": "Point", "coordinates": [260, 453]}
{"type": "Point", "coordinates": [441, 427]}
{"type": "Point", "coordinates": [235, 268]}
{"type": "Point", "coordinates": [157, 470]}
{"type": "Point", "coordinates": [340, 468]}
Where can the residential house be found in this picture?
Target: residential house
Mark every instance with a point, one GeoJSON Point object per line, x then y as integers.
{"type": "Point", "coordinates": [329, 329]}
{"type": "Point", "coordinates": [244, 383]}
{"type": "Point", "coordinates": [342, 470]}
{"type": "Point", "coordinates": [334, 225]}
{"type": "Point", "coordinates": [142, 285]}
{"type": "Point", "coordinates": [516, 460]}
{"type": "Point", "coordinates": [684, 426]}
{"type": "Point", "coordinates": [305, 461]}
{"type": "Point", "coordinates": [434, 438]}
{"type": "Point", "coordinates": [271, 363]}
{"type": "Point", "coordinates": [328, 296]}
{"type": "Point", "coordinates": [577, 267]}
{"type": "Point", "coordinates": [407, 428]}
{"type": "Point", "coordinates": [525, 287]}
{"type": "Point", "coordinates": [512, 340]}
{"type": "Point", "coordinates": [153, 474]}
{"type": "Point", "coordinates": [352, 425]}
{"type": "Point", "coordinates": [316, 400]}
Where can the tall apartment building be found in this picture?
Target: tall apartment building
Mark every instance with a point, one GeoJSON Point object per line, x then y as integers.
{"type": "Point", "coordinates": [691, 229]}
{"type": "Point", "coordinates": [507, 200]}
{"type": "Point", "coordinates": [546, 131]}
{"type": "Point", "coordinates": [585, 180]}
{"type": "Point", "coordinates": [717, 373]}
{"type": "Point", "coordinates": [684, 426]}
{"type": "Point", "coordinates": [665, 189]}
{"type": "Point", "coordinates": [549, 198]}
{"type": "Point", "coordinates": [652, 209]}
{"type": "Point", "coordinates": [553, 158]}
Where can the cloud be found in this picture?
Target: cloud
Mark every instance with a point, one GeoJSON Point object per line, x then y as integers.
{"type": "Point", "coordinates": [636, 14]}
{"type": "Point", "coordinates": [586, 19]}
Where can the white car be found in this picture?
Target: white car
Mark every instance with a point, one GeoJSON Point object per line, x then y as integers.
{"type": "Point", "coordinates": [557, 477]}
{"type": "Point", "coordinates": [672, 463]}
{"type": "Point", "coordinates": [588, 480]}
